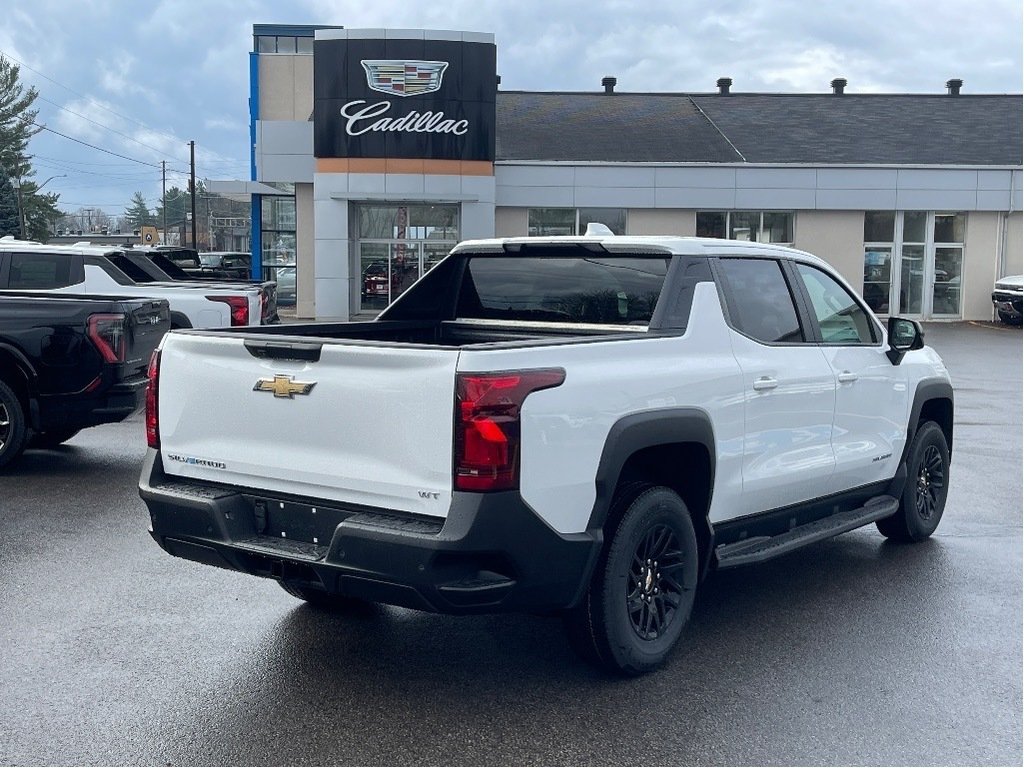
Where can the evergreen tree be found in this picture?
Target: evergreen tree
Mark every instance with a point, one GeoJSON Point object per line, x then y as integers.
{"type": "Point", "coordinates": [8, 209]}
{"type": "Point", "coordinates": [17, 122]}
{"type": "Point", "coordinates": [138, 214]}
{"type": "Point", "coordinates": [41, 212]}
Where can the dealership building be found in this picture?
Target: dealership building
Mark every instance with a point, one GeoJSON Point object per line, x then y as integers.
{"type": "Point", "coordinates": [374, 151]}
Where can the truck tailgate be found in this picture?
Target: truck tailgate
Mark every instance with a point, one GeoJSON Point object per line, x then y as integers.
{"type": "Point", "coordinates": [374, 429]}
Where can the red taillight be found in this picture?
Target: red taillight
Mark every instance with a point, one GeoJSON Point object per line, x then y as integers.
{"type": "Point", "coordinates": [152, 400]}
{"type": "Point", "coordinates": [239, 308]}
{"type": "Point", "coordinates": [487, 428]}
{"type": "Point", "coordinates": [107, 333]}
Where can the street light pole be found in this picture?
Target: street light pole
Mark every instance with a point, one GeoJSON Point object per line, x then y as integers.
{"type": "Point", "coordinates": [16, 183]}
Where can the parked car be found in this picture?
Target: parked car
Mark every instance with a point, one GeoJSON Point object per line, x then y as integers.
{"type": "Point", "coordinates": [146, 266]}
{"type": "Point", "coordinates": [1006, 298]}
{"type": "Point", "coordinates": [578, 425]}
{"type": "Point", "coordinates": [85, 269]}
{"type": "Point", "coordinates": [70, 362]}
{"type": "Point", "coordinates": [227, 263]}
{"type": "Point", "coordinates": [285, 286]}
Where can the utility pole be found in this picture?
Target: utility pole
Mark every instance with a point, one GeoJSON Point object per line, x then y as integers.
{"type": "Point", "coordinates": [192, 184]}
{"type": "Point", "coordinates": [163, 196]}
{"type": "Point", "coordinates": [21, 207]}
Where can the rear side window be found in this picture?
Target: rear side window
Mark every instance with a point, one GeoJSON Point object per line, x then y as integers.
{"type": "Point", "coordinates": [760, 303]}
{"type": "Point", "coordinates": [41, 271]}
{"type": "Point", "coordinates": [599, 289]}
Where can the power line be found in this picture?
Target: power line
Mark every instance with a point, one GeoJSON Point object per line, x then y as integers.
{"type": "Point", "coordinates": [92, 146]}
{"type": "Point", "coordinates": [101, 125]}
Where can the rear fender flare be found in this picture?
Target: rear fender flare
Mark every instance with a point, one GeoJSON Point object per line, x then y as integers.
{"type": "Point", "coordinates": [650, 429]}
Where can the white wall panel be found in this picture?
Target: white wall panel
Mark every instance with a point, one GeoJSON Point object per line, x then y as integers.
{"type": "Point", "coordinates": [856, 178]}
{"type": "Point", "coordinates": [534, 175]}
{"type": "Point", "coordinates": [535, 197]}
{"type": "Point", "coordinates": [367, 183]}
{"type": "Point", "coordinates": [332, 298]}
{"type": "Point", "coordinates": [775, 178]}
{"type": "Point", "coordinates": [936, 178]}
{"type": "Point", "coordinates": [614, 176]}
{"type": "Point", "coordinates": [332, 257]}
{"type": "Point", "coordinates": [774, 199]}
{"type": "Point", "coordinates": [404, 183]}
{"type": "Point", "coordinates": [855, 199]}
{"type": "Point", "coordinates": [711, 178]}
{"type": "Point", "coordinates": [434, 184]}
{"type": "Point", "coordinates": [614, 197]}
{"type": "Point", "coordinates": [480, 187]}
{"type": "Point", "coordinates": [330, 220]}
{"type": "Point", "coordinates": [679, 197]}
{"type": "Point", "coordinates": [936, 200]}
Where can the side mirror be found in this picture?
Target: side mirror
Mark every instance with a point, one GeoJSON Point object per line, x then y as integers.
{"type": "Point", "coordinates": [904, 336]}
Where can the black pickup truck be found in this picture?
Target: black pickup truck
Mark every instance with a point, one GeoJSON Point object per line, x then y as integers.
{"type": "Point", "coordinates": [69, 362]}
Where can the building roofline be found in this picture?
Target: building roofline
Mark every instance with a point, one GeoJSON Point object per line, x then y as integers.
{"type": "Point", "coordinates": [740, 94]}
{"type": "Point", "coordinates": [290, 30]}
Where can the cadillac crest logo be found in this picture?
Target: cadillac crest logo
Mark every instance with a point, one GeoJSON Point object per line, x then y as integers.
{"type": "Point", "coordinates": [404, 78]}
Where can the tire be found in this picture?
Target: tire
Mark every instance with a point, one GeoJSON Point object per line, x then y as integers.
{"type": "Point", "coordinates": [13, 433]}
{"type": "Point", "coordinates": [52, 438]}
{"type": "Point", "coordinates": [924, 496]}
{"type": "Point", "coordinates": [321, 599]}
{"type": "Point", "coordinates": [643, 586]}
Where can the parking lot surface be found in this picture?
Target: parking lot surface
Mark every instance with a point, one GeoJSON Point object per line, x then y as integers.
{"type": "Point", "coordinates": [851, 651]}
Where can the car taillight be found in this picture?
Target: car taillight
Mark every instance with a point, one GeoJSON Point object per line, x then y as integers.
{"type": "Point", "coordinates": [152, 400]}
{"type": "Point", "coordinates": [107, 333]}
{"type": "Point", "coordinates": [239, 308]}
{"type": "Point", "coordinates": [487, 425]}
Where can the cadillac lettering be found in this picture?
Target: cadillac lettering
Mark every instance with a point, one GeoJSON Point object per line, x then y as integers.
{"type": "Point", "coordinates": [357, 117]}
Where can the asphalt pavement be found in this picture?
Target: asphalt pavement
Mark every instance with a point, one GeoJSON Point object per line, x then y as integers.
{"type": "Point", "coordinates": [852, 651]}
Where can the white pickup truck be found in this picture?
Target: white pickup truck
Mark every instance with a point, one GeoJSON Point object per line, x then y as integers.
{"type": "Point", "coordinates": [585, 425]}
{"type": "Point", "coordinates": [85, 270]}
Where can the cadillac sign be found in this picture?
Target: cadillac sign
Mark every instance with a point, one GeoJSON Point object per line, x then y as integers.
{"type": "Point", "coordinates": [404, 104]}
{"type": "Point", "coordinates": [404, 78]}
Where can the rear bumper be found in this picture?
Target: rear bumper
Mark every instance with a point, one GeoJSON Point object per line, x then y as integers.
{"type": "Point", "coordinates": [491, 554]}
{"type": "Point", "coordinates": [88, 410]}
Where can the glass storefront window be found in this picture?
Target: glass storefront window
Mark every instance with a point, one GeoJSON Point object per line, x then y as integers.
{"type": "Point", "coordinates": [413, 222]}
{"type": "Point", "coordinates": [552, 221]}
{"type": "Point", "coordinates": [613, 218]}
{"type": "Point", "coordinates": [711, 224]}
{"type": "Point", "coordinates": [914, 226]}
{"type": "Point", "coordinates": [747, 226]}
{"type": "Point", "coordinates": [949, 227]}
{"type": "Point", "coordinates": [877, 277]}
{"type": "Point", "coordinates": [879, 226]}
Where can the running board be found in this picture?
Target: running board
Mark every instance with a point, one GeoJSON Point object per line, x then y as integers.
{"type": "Point", "coordinates": [760, 548]}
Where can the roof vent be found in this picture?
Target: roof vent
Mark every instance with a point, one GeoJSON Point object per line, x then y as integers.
{"type": "Point", "coordinates": [838, 86]}
{"type": "Point", "coordinates": [723, 84]}
{"type": "Point", "coordinates": [954, 86]}
{"type": "Point", "coordinates": [609, 84]}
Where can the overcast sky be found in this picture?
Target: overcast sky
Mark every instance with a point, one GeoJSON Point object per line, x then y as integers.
{"type": "Point", "coordinates": [141, 79]}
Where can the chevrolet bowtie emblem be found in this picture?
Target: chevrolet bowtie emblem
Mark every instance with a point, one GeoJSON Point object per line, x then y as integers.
{"type": "Point", "coordinates": [284, 386]}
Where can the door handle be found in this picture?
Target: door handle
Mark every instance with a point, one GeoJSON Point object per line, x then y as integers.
{"type": "Point", "coordinates": [765, 383]}
{"type": "Point", "coordinates": [847, 377]}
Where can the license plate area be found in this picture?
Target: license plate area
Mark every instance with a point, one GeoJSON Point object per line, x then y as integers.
{"type": "Point", "coordinates": [296, 521]}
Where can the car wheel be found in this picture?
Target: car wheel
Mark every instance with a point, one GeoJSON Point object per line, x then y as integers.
{"type": "Point", "coordinates": [322, 599]}
{"type": "Point", "coordinates": [52, 438]}
{"type": "Point", "coordinates": [12, 426]}
{"type": "Point", "coordinates": [643, 586]}
{"type": "Point", "coordinates": [924, 495]}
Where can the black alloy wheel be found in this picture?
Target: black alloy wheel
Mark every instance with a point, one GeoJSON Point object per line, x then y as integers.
{"type": "Point", "coordinates": [12, 426]}
{"type": "Point", "coordinates": [931, 483]}
{"type": "Point", "coordinates": [643, 587]}
{"type": "Point", "coordinates": [654, 594]}
{"type": "Point", "coordinates": [924, 493]}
